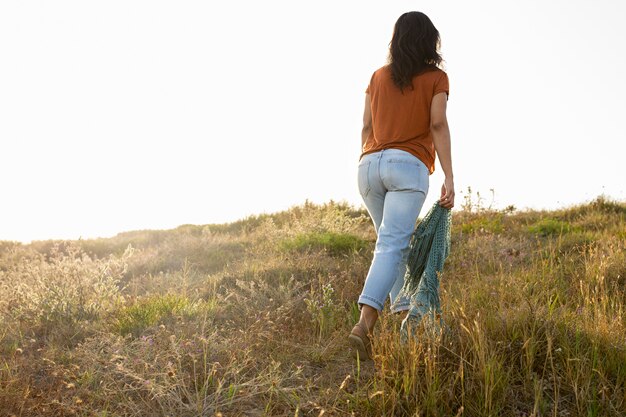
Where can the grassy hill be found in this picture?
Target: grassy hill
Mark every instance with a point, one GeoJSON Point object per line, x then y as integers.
{"type": "Point", "coordinates": [252, 317]}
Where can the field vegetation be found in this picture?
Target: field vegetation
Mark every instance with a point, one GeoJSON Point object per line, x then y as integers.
{"type": "Point", "coordinates": [251, 318]}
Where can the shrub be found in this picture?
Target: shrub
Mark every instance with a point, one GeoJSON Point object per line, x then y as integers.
{"type": "Point", "coordinates": [67, 287]}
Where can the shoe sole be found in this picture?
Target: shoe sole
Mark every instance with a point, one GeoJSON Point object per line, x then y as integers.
{"type": "Point", "coordinates": [358, 348]}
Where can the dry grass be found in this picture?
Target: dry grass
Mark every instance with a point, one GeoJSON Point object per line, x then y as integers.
{"type": "Point", "coordinates": [251, 318]}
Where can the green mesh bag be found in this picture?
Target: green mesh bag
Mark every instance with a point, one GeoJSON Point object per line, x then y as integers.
{"type": "Point", "coordinates": [428, 249]}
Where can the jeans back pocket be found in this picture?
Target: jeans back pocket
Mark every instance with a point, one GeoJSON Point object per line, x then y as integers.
{"type": "Point", "coordinates": [363, 178]}
{"type": "Point", "coordinates": [406, 174]}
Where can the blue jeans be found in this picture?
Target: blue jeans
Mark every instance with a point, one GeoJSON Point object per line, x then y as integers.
{"type": "Point", "coordinates": [393, 184]}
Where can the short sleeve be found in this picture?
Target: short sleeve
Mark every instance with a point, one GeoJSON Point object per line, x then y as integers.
{"type": "Point", "coordinates": [442, 85]}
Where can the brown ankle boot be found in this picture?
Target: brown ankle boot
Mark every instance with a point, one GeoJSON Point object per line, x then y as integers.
{"type": "Point", "coordinates": [360, 342]}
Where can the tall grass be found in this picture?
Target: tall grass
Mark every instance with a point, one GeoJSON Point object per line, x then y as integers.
{"type": "Point", "coordinates": [252, 318]}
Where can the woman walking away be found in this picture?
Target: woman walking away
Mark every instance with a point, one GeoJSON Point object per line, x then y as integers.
{"type": "Point", "coordinates": [404, 124]}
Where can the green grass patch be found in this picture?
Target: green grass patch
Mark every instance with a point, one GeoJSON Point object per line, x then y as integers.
{"type": "Point", "coordinates": [333, 243]}
{"type": "Point", "coordinates": [576, 241]}
{"type": "Point", "coordinates": [551, 227]}
{"type": "Point", "coordinates": [484, 224]}
{"type": "Point", "coordinates": [155, 310]}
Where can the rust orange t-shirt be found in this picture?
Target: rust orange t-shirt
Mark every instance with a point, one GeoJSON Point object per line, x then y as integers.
{"type": "Point", "coordinates": [401, 120]}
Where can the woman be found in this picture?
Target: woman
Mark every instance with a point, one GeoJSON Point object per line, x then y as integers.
{"type": "Point", "coordinates": [404, 124]}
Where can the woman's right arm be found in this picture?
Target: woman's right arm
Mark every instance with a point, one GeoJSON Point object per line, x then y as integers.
{"type": "Point", "coordinates": [367, 121]}
{"type": "Point", "coordinates": [441, 139]}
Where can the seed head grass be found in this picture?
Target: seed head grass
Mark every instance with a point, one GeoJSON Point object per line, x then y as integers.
{"type": "Point", "coordinates": [251, 318]}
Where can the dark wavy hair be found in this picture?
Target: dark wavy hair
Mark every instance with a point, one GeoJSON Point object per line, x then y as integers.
{"type": "Point", "coordinates": [414, 48]}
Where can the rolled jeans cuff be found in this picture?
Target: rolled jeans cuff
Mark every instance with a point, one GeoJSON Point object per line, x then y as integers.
{"type": "Point", "coordinates": [370, 301]}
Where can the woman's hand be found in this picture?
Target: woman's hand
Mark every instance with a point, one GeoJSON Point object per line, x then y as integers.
{"type": "Point", "coordinates": [447, 194]}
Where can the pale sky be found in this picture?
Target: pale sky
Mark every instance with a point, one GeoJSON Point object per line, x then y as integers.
{"type": "Point", "coordinates": [126, 115]}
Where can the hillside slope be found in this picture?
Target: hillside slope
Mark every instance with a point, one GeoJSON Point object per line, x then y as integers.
{"type": "Point", "coordinates": [251, 318]}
